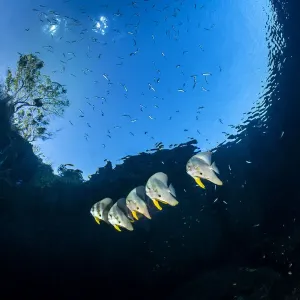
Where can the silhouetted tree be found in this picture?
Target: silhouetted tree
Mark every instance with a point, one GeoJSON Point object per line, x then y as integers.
{"type": "Point", "coordinates": [35, 98]}
{"type": "Point", "coordinates": [70, 175]}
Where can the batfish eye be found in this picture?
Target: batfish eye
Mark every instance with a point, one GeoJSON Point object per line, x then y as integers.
{"type": "Point", "coordinates": [119, 221]}
{"type": "Point", "coordinates": [137, 207]}
{"type": "Point", "coordinates": [159, 195]}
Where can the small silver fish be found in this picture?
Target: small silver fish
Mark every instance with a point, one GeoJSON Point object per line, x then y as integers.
{"type": "Point", "coordinates": [200, 166]}
{"type": "Point", "coordinates": [157, 190]}
{"type": "Point", "coordinates": [100, 210]}
{"type": "Point", "coordinates": [117, 218]}
{"type": "Point", "coordinates": [135, 201]}
{"type": "Point", "coordinates": [105, 76]}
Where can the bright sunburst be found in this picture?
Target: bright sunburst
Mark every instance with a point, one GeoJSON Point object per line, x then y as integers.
{"type": "Point", "coordinates": [101, 25]}
{"type": "Point", "coordinates": [53, 27]}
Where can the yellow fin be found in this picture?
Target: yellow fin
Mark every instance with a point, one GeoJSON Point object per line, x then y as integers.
{"type": "Point", "coordinates": [199, 182]}
{"type": "Point", "coordinates": [156, 204]}
{"type": "Point", "coordinates": [134, 215]}
{"type": "Point", "coordinates": [117, 228]}
{"type": "Point", "coordinates": [97, 220]}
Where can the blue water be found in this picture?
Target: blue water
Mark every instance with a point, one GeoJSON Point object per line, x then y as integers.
{"type": "Point", "coordinates": [150, 83]}
{"type": "Point", "coordinates": [175, 40]}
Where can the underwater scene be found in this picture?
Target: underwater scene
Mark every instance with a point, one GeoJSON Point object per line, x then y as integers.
{"type": "Point", "coordinates": [149, 149]}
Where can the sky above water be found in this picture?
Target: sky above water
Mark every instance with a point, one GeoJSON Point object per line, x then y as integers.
{"type": "Point", "coordinates": [140, 72]}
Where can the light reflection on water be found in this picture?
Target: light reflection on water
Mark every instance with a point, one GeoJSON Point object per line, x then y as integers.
{"type": "Point", "coordinates": [167, 47]}
{"type": "Point", "coordinates": [101, 25]}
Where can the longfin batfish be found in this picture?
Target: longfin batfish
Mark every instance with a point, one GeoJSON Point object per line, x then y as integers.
{"type": "Point", "coordinates": [100, 210]}
{"type": "Point", "coordinates": [122, 205]}
{"type": "Point", "coordinates": [117, 217]}
{"type": "Point", "coordinates": [157, 190]}
{"type": "Point", "coordinates": [200, 167]}
{"type": "Point", "coordinates": [135, 201]}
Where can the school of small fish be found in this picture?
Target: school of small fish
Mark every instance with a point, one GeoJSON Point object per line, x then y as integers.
{"type": "Point", "coordinates": [125, 211]}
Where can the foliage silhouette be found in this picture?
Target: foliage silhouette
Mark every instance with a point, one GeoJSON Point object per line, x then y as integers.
{"type": "Point", "coordinates": [34, 98]}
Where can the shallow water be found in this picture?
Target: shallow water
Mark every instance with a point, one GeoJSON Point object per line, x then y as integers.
{"type": "Point", "coordinates": [212, 54]}
{"type": "Point", "coordinates": [237, 241]}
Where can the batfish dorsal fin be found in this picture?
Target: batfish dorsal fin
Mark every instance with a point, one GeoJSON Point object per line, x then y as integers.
{"type": "Point", "coordinates": [121, 203]}
{"type": "Point", "coordinates": [141, 192]}
{"type": "Point", "coordinates": [114, 208]}
{"type": "Point", "coordinates": [106, 202]}
{"type": "Point", "coordinates": [161, 177]}
{"type": "Point", "coordinates": [205, 156]}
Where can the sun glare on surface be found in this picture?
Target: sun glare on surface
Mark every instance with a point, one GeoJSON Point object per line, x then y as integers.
{"type": "Point", "coordinates": [101, 25]}
{"type": "Point", "coordinates": [53, 27]}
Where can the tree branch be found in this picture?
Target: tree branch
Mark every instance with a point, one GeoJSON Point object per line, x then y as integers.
{"type": "Point", "coordinates": [19, 89]}
{"type": "Point", "coordinates": [23, 105]}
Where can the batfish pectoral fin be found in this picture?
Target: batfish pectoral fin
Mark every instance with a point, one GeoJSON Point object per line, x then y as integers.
{"type": "Point", "coordinates": [97, 220]}
{"type": "Point", "coordinates": [117, 228]}
{"type": "Point", "coordinates": [155, 201]}
{"type": "Point", "coordinates": [215, 168]}
{"type": "Point", "coordinates": [199, 182]}
{"type": "Point", "coordinates": [172, 190]}
{"type": "Point", "coordinates": [134, 214]}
